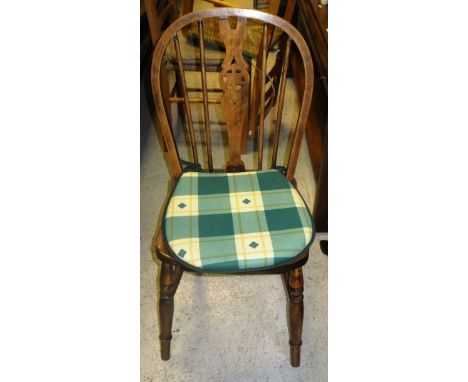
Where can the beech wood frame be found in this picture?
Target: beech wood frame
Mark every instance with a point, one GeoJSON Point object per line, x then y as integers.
{"type": "Point", "coordinates": [171, 269]}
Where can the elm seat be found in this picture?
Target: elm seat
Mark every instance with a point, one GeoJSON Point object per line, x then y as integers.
{"type": "Point", "coordinates": [231, 222]}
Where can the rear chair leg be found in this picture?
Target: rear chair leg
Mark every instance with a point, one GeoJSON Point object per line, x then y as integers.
{"type": "Point", "coordinates": [295, 287]}
{"type": "Point", "coordinates": [169, 281]}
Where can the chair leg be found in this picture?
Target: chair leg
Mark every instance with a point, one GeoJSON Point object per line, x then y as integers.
{"type": "Point", "coordinates": [295, 287]}
{"type": "Point", "coordinates": [169, 281]}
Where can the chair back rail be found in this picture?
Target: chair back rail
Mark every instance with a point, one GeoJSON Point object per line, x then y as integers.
{"type": "Point", "coordinates": [235, 86]}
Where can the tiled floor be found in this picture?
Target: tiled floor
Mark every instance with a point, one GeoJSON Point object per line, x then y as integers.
{"type": "Point", "coordinates": [227, 328]}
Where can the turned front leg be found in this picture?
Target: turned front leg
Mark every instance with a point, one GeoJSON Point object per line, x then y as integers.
{"type": "Point", "coordinates": [295, 287]}
{"type": "Point", "coordinates": [169, 281]}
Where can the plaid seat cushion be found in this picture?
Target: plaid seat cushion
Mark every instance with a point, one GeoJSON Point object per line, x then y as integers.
{"type": "Point", "coordinates": [229, 222]}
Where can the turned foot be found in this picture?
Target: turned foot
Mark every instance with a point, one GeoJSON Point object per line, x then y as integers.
{"type": "Point", "coordinates": [169, 281]}
{"type": "Point", "coordinates": [295, 287]}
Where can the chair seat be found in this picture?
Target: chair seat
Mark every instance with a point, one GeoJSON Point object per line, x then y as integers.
{"type": "Point", "coordinates": [230, 222]}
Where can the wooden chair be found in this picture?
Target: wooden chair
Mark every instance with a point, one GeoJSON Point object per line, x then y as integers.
{"type": "Point", "coordinates": [230, 220]}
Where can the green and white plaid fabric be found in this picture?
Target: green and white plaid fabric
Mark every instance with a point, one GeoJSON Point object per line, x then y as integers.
{"type": "Point", "coordinates": [231, 222]}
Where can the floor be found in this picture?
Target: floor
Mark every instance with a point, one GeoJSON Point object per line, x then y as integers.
{"type": "Point", "coordinates": [227, 328]}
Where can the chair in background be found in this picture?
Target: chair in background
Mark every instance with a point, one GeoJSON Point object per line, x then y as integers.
{"type": "Point", "coordinates": [160, 14]}
{"type": "Point", "coordinates": [229, 220]}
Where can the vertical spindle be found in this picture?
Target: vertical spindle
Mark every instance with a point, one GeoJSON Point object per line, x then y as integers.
{"type": "Point", "coordinates": [205, 96]}
{"type": "Point", "coordinates": [262, 96]}
{"type": "Point", "coordinates": [186, 98]}
{"type": "Point", "coordinates": [279, 110]}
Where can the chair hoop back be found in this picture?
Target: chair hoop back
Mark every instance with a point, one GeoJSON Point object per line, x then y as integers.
{"type": "Point", "coordinates": [234, 81]}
